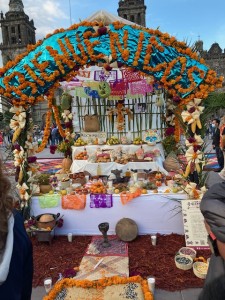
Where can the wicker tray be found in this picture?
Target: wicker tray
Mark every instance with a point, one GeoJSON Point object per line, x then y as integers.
{"type": "Point", "coordinates": [193, 252]}
{"type": "Point", "coordinates": [183, 266]}
{"type": "Point", "coordinates": [197, 264]}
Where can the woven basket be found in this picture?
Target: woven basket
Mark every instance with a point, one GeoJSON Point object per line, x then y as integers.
{"type": "Point", "coordinates": [192, 252]}
{"type": "Point", "coordinates": [197, 264]}
{"type": "Point", "coordinates": [183, 266]}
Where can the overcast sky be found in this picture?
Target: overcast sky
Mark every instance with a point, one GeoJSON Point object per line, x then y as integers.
{"type": "Point", "coordinates": [187, 20]}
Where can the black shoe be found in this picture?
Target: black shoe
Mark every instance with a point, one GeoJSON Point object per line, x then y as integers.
{"type": "Point", "coordinates": [218, 170]}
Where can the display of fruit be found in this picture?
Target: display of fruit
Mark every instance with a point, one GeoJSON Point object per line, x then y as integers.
{"type": "Point", "coordinates": [81, 191]}
{"type": "Point", "coordinates": [120, 187]}
{"type": "Point", "coordinates": [97, 188]}
{"type": "Point", "coordinates": [113, 141]}
{"type": "Point", "coordinates": [103, 157]}
{"type": "Point", "coordinates": [80, 142]}
{"type": "Point", "coordinates": [150, 186]}
{"type": "Point", "coordinates": [158, 175]}
{"type": "Point", "coordinates": [81, 156]}
{"type": "Point", "coordinates": [138, 141]}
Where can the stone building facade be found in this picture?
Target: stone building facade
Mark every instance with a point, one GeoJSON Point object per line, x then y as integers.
{"type": "Point", "coordinates": [133, 10]}
{"type": "Point", "coordinates": [214, 58]}
{"type": "Point", "coordinates": [17, 31]}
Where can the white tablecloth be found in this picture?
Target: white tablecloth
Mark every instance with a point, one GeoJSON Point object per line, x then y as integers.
{"type": "Point", "coordinates": [126, 148]}
{"type": "Point", "coordinates": [153, 213]}
{"type": "Point", "coordinates": [84, 165]}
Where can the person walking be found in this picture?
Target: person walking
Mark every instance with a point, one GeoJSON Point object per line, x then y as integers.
{"type": "Point", "coordinates": [216, 144]}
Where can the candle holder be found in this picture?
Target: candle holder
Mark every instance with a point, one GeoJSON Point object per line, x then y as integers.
{"type": "Point", "coordinates": [104, 227]}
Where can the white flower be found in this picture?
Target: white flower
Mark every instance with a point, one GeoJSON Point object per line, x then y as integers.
{"type": "Point", "coordinates": [190, 117]}
{"type": "Point", "coordinates": [195, 103]}
{"type": "Point", "coordinates": [23, 191]}
{"type": "Point", "coordinates": [67, 115]}
{"type": "Point", "coordinates": [198, 141]}
{"type": "Point", "coordinates": [19, 157]}
{"type": "Point", "coordinates": [193, 156]}
{"type": "Point", "coordinates": [17, 122]}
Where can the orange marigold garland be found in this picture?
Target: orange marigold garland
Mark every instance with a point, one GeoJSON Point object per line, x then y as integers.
{"type": "Point", "coordinates": [98, 284]}
{"type": "Point", "coordinates": [46, 133]}
{"type": "Point", "coordinates": [58, 123]}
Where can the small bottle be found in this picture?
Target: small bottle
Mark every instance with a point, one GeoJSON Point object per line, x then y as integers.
{"type": "Point", "coordinates": [99, 170]}
{"type": "Point", "coordinates": [128, 173]}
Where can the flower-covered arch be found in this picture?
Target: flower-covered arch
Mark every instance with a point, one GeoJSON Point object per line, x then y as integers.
{"type": "Point", "coordinates": [37, 73]}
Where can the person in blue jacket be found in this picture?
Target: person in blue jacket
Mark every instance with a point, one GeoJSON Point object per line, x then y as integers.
{"type": "Point", "coordinates": [16, 259]}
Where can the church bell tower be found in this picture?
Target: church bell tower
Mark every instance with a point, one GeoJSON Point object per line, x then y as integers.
{"type": "Point", "coordinates": [17, 31]}
{"type": "Point", "coordinates": [133, 10]}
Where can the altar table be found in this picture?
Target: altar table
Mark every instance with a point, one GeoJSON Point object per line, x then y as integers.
{"type": "Point", "coordinates": [153, 213]}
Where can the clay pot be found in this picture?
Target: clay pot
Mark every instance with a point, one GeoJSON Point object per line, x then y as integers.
{"type": "Point", "coordinates": [45, 188]}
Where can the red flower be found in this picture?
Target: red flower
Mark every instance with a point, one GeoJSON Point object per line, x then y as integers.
{"type": "Point", "coordinates": [169, 131]}
{"type": "Point", "coordinates": [191, 140]}
{"type": "Point", "coordinates": [53, 149]}
{"type": "Point", "coordinates": [176, 99]}
{"type": "Point", "coordinates": [191, 110]}
{"type": "Point", "coordinates": [102, 30]}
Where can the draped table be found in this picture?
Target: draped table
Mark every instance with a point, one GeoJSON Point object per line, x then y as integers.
{"type": "Point", "coordinates": [84, 165]}
{"type": "Point", "coordinates": [153, 213]}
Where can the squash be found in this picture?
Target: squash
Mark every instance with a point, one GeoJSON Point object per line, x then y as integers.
{"type": "Point", "coordinates": [66, 164]}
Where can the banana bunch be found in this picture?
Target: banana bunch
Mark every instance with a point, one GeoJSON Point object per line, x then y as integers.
{"type": "Point", "coordinates": [112, 141]}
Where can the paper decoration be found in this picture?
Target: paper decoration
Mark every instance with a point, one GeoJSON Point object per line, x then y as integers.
{"type": "Point", "coordinates": [118, 88]}
{"type": "Point", "coordinates": [84, 74]}
{"type": "Point", "coordinates": [79, 91]}
{"type": "Point", "coordinates": [140, 87]}
{"type": "Point", "coordinates": [101, 201]}
{"type": "Point", "coordinates": [194, 228]}
{"type": "Point", "coordinates": [101, 75]}
{"type": "Point", "coordinates": [130, 76]}
{"type": "Point", "coordinates": [76, 202]}
{"type": "Point", "coordinates": [48, 200]}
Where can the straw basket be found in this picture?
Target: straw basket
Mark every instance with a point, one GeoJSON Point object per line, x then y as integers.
{"type": "Point", "coordinates": [188, 252]}
{"type": "Point", "coordinates": [200, 269]}
{"type": "Point", "coordinates": [183, 262]}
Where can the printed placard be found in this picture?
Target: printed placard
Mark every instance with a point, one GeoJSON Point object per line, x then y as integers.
{"type": "Point", "coordinates": [194, 228]}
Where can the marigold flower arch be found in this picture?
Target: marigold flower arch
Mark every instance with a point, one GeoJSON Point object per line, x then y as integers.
{"type": "Point", "coordinates": [38, 71]}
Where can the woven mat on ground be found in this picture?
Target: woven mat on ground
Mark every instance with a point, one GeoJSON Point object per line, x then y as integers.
{"type": "Point", "coordinates": [46, 165]}
{"type": "Point", "coordinates": [106, 289]}
{"type": "Point", "coordinates": [117, 248]}
{"type": "Point", "coordinates": [212, 163]}
{"type": "Point", "coordinates": [109, 266]}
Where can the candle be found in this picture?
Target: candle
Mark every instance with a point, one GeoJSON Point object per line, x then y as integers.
{"type": "Point", "coordinates": [151, 284]}
{"type": "Point", "coordinates": [153, 239]}
{"type": "Point", "coordinates": [48, 284]}
{"type": "Point", "coordinates": [70, 237]}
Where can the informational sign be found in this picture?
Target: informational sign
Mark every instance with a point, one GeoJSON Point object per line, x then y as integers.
{"type": "Point", "coordinates": [194, 228]}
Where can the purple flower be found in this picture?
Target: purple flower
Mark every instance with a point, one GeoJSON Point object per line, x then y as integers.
{"type": "Point", "coordinates": [31, 159]}
{"type": "Point", "coordinates": [191, 140]}
{"type": "Point", "coordinates": [60, 223]}
{"type": "Point", "coordinates": [69, 273]}
{"type": "Point", "coordinates": [16, 147]}
{"type": "Point", "coordinates": [169, 131]}
{"type": "Point", "coordinates": [53, 149]}
{"type": "Point", "coordinates": [102, 30]}
{"type": "Point", "coordinates": [176, 99]}
{"type": "Point", "coordinates": [191, 110]}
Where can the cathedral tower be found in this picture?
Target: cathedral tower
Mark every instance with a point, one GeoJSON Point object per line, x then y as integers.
{"type": "Point", "coordinates": [17, 31]}
{"type": "Point", "coordinates": [132, 10]}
